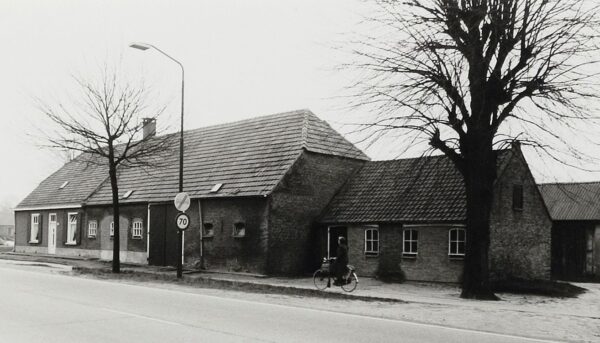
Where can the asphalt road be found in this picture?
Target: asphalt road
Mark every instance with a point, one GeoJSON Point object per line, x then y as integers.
{"type": "Point", "coordinates": [37, 306]}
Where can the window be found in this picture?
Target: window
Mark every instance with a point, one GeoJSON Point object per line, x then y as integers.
{"type": "Point", "coordinates": [71, 229]}
{"type": "Point", "coordinates": [410, 242]}
{"type": "Point", "coordinates": [111, 230]}
{"type": "Point", "coordinates": [517, 197]}
{"type": "Point", "coordinates": [209, 230]}
{"type": "Point", "coordinates": [137, 229]}
{"type": "Point", "coordinates": [456, 243]}
{"type": "Point", "coordinates": [239, 229]}
{"type": "Point", "coordinates": [35, 228]}
{"type": "Point", "coordinates": [92, 228]}
{"type": "Point", "coordinates": [372, 241]}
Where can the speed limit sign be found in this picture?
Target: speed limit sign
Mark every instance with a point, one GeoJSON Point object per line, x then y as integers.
{"type": "Point", "coordinates": [182, 220]}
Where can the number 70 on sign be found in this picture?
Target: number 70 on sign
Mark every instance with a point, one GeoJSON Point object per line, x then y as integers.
{"type": "Point", "coordinates": [183, 221]}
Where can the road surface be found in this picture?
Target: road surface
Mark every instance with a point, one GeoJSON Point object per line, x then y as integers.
{"type": "Point", "coordinates": [37, 306]}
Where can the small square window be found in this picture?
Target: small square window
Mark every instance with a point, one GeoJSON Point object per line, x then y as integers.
{"type": "Point", "coordinates": [239, 229]}
{"type": "Point", "coordinates": [209, 230]}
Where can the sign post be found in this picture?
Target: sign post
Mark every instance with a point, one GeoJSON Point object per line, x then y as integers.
{"type": "Point", "coordinates": [182, 203]}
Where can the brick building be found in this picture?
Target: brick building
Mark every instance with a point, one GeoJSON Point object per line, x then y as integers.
{"type": "Point", "coordinates": [575, 212]}
{"type": "Point", "coordinates": [408, 215]}
{"type": "Point", "coordinates": [256, 186]}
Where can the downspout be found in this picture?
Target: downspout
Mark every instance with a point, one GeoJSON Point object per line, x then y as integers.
{"type": "Point", "coordinates": [148, 237]}
{"type": "Point", "coordinates": [201, 234]}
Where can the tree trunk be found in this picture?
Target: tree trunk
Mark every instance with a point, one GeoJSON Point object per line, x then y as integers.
{"type": "Point", "coordinates": [479, 173]}
{"type": "Point", "coordinates": [116, 263]}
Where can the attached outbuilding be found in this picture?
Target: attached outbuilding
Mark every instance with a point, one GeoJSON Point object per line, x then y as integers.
{"type": "Point", "coordinates": [408, 216]}
{"type": "Point", "coordinates": [575, 212]}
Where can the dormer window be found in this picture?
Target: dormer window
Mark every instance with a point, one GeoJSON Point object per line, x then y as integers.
{"type": "Point", "coordinates": [216, 188]}
{"type": "Point", "coordinates": [127, 194]}
{"type": "Point", "coordinates": [64, 184]}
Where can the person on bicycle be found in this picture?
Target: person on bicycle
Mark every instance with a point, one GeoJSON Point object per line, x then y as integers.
{"type": "Point", "coordinates": [340, 266]}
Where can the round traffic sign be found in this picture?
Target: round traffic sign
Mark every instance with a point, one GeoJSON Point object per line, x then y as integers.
{"type": "Point", "coordinates": [183, 221]}
{"type": "Point", "coordinates": [182, 201]}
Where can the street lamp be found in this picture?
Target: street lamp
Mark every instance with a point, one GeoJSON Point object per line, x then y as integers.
{"type": "Point", "coordinates": [143, 47]}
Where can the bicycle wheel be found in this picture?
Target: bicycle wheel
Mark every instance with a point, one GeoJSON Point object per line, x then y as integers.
{"type": "Point", "coordinates": [321, 279]}
{"type": "Point", "coordinates": [351, 283]}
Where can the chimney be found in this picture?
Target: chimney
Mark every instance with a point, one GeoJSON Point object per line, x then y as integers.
{"type": "Point", "coordinates": [149, 128]}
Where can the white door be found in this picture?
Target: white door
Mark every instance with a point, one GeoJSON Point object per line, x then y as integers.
{"type": "Point", "coordinates": [52, 233]}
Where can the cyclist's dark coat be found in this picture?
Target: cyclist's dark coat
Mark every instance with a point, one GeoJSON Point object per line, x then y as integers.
{"type": "Point", "coordinates": [341, 261]}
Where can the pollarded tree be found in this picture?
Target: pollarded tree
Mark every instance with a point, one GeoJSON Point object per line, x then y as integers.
{"type": "Point", "coordinates": [469, 75]}
{"type": "Point", "coordinates": [104, 123]}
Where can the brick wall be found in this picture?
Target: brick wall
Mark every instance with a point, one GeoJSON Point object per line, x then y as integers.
{"type": "Point", "coordinates": [23, 228]}
{"type": "Point", "coordinates": [390, 250]}
{"type": "Point", "coordinates": [85, 246]}
{"type": "Point", "coordinates": [432, 262]}
{"type": "Point", "coordinates": [223, 251]}
{"type": "Point", "coordinates": [520, 240]}
{"type": "Point", "coordinates": [296, 202]}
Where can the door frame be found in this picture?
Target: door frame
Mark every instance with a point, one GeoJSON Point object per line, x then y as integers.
{"type": "Point", "coordinates": [52, 233]}
{"type": "Point", "coordinates": [338, 227]}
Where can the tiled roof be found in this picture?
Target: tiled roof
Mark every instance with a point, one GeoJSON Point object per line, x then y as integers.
{"type": "Point", "coordinates": [572, 201]}
{"type": "Point", "coordinates": [83, 179]}
{"type": "Point", "coordinates": [248, 157]}
{"type": "Point", "coordinates": [425, 189]}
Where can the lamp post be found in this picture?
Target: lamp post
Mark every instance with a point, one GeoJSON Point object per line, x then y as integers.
{"type": "Point", "coordinates": [143, 47]}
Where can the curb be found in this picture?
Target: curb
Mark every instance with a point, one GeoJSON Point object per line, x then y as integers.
{"type": "Point", "coordinates": [244, 286]}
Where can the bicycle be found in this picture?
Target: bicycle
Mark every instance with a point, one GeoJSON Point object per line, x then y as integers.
{"type": "Point", "coordinates": [322, 277]}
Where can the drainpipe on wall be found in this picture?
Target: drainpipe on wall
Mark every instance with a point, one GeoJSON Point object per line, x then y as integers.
{"type": "Point", "coordinates": [201, 234]}
{"type": "Point", "coordinates": [148, 237]}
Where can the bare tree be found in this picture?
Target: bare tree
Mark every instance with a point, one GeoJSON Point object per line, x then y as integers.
{"type": "Point", "coordinates": [468, 76]}
{"type": "Point", "coordinates": [104, 123]}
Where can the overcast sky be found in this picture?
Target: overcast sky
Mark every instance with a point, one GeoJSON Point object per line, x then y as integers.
{"type": "Point", "coordinates": [242, 58]}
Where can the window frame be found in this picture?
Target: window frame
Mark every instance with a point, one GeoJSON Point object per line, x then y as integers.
{"type": "Point", "coordinates": [236, 231]}
{"type": "Point", "coordinates": [212, 229]}
{"type": "Point", "coordinates": [70, 228]}
{"type": "Point", "coordinates": [35, 240]}
{"type": "Point", "coordinates": [411, 253]}
{"type": "Point", "coordinates": [94, 233]}
{"type": "Point", "coordinates": [371, 252]}
{"type": "Point", "coordinates": [140, 229]}
{"type": "Point", "coordinates": [457, 242]}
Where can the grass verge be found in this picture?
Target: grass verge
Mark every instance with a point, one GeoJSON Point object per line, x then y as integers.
{"type": "Point", "coordinates": [538, 287]}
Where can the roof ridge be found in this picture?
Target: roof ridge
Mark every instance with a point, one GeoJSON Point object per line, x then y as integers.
{"type": "Point", "coordinates": [250, 120]}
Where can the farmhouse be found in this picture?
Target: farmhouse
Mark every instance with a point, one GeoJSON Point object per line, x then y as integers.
{"type": "Point", "coordinates": [256, 186]}
{"type": "Point", "coordinates": [408, 216]}
{"type": "Point", "coordinates": [575, 212]}
{"type": "Point", "coordinates": [271, 195]}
